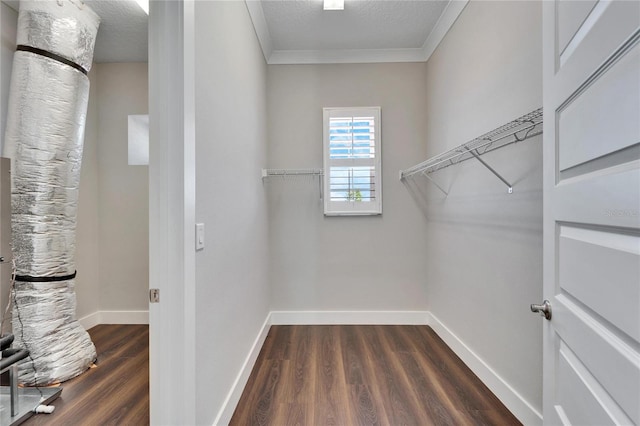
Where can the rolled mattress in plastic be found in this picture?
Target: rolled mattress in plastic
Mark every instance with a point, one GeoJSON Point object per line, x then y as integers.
{"type": "Point", "coordinates": [48, 100]}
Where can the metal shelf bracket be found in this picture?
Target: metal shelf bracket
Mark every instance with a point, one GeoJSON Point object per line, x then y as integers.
{"type": "Point", "coordinates": [492, 170]}
{"type": "Point", "coordinates": [434, 182]}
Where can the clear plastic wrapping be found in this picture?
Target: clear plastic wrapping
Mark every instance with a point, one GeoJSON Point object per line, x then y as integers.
{"type": "Point", "coordinates": [46, 126]}
{"type": "Point", "coordinates": [44, 138]}
{"type": "Point", "coordinates": [59, 346]}
{"type": "Point", "coordinates": [65, 27]}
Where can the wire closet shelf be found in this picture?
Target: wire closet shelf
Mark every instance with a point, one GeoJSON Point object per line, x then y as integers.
{"type": "Point", "coordinates": [290, 172]}
{"type": "Point", "coordinates": [286, 173]}
{"type": "Point", "coordinates": [520, 129]}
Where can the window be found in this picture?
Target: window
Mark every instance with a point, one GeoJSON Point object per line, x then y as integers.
{"type": "Point", "coordinates": [352, 162]}
{"type": "Point", "coordinates": [138, 140]}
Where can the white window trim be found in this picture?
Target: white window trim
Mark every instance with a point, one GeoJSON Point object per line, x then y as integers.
{"type": "Point", "coordinates": [341, 208]}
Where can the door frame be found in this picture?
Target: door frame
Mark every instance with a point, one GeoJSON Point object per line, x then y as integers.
{"type": "Point", "coordinates": [172, 352]}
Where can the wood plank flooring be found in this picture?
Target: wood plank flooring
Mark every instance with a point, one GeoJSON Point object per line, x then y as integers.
{"type": "Point", "coordinates": [116, 391]}
{"type": "Point", "coordinates": [364, 375]}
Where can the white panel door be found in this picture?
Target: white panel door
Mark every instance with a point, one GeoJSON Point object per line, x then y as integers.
{"type": "Point", "coordinates": [591, 86]}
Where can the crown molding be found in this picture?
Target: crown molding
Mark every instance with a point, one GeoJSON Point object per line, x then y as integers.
{"type": "Point", "coordinates": [352, 56]}
{"type": "Point", "coordinates": [449, 16]}
{"type": "Point", "coordinates": [345, 56]}
{"type": "Point", "coordinates": [260, 26]}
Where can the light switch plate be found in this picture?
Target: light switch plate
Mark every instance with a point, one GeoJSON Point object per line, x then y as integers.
{"type": "Point", "coordinates": [199, 236]}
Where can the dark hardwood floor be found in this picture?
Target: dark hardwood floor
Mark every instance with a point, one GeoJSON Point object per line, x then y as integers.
{"type": "Point", "coordinates": [364, 375]}
{"type": "Point", "coordinates": [304, 375]}
{"type": "Point", "coordinates": [116, 391]}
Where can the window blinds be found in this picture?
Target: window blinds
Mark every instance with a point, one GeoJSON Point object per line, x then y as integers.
{"type": "Point", "coordinates": [352, 161]}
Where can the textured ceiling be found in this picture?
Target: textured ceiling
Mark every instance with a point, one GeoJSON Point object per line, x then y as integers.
{"type": "Point", "coordinates": [122, 36]}
{"type": "Point", "coordinates": [363, 24]}
{"type": "Point", "coordinates": [300, 31]}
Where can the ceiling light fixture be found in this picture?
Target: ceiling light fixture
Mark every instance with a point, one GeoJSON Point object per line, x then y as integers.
{"type": "Point", "coordinates": [333, 5]}
{"type": "Point", "coordinates": [144, 5]}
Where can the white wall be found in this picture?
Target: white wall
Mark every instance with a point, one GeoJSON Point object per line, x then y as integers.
{"type": "Point", "coordinates": [88, 225]}
{"type": "Point", "coordinates": [123, 190]}
{"type": "Point", "coordinates": [485, 246]}
{"type": "Point", "coordinates": [345, 263]}
{"type": "Point", "coordinates": [231, 272]}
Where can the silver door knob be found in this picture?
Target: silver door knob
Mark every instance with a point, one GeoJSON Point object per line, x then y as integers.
{"type": "Point", "coordinates": [544, 309]}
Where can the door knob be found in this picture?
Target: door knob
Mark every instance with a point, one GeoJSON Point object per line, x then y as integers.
{"type": "Point", "coordinates": [544, 309]}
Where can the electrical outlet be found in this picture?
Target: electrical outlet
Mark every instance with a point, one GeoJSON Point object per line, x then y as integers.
{"type": "Point", "coordinates": [154, 295]}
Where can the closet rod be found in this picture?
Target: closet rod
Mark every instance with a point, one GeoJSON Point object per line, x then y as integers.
{"type": "Point", "coordinates": [295, 172]}
{"type": "Point", "coordinates": [291, 172]}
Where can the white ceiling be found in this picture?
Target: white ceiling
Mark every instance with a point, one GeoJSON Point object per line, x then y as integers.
{"type": "Point", "coordinates": [363, 24]}
{"type": "Point", "coordinates": [300, 31]}
{"type": "Point", "coordinates": [122, 36]}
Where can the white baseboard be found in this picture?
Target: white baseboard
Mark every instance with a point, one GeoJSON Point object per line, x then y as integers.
{"type": "Point", "coordinates": [90, 320]}
{"type": "Point", "coordinates": [114, 317]}
{"type": "Point", "coordinates": [233, 397]}
{"type": "Point", "coordinates": [349, 317]}
{"type": "Point", "coordinates": [520, 408]}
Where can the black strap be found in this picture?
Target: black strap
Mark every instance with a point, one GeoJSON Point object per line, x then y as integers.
{"type": "Point", "coordinates": [41, 52]}
{"type": "Point", "coordinates": [30, 279]}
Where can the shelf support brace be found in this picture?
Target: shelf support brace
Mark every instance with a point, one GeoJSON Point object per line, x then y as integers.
{"type": "Point", "coordinates": [492, 170]}
{"type": "Point", "coordinates": [434, 182]}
